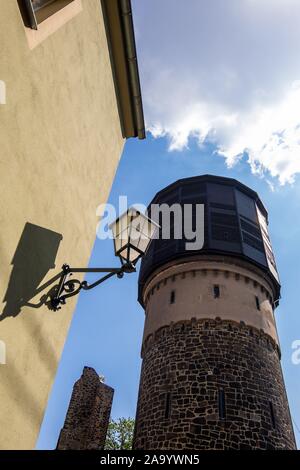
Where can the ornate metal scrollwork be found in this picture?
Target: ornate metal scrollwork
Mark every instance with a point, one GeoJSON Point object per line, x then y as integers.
{"type": "Point", "coordinates": [67, 287]}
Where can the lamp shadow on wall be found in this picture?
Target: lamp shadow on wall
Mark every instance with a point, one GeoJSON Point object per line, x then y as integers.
{"type": "Point", "coordinates": [34, 257]}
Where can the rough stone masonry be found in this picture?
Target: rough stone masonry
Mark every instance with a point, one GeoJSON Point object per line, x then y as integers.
{"type": "Point", "coordinates": [88, 415]}
{"type": "Point", "coordinates": [229, 391]}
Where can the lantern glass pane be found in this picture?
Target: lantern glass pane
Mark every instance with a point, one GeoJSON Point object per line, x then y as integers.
{"type": "Point", "coordinates": [141, 232]}
{"type": "Point", "coordinates": [121, 240]}
{"type": "Point", "coordinates": [132, 257]}
{"type": "Point", "coordinates": [134, 229]}
{"type": "Point", "coordinates": [143, 244]}
{"type": "Point", "coordinates": [120, 230]}
{"type": "Point", "coordinates": [119, 225]}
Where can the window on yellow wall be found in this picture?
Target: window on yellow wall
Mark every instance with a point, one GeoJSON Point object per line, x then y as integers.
{"type": "Point", "coordinates": [35, 12]}
{"type": "Point", "coordinates": [37, 4]}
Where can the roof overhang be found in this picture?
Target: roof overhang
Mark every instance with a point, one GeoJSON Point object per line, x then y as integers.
{"type": "Point", "coordinates": [118, 22]}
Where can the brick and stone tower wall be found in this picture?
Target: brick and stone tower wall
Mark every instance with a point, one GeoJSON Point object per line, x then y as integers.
{"type": "Point", "coordinates": [211, 376]}
{"type": "Point", "coordinates": [88, 414]}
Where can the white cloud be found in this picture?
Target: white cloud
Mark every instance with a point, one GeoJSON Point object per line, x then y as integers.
{"type": "Point", "coordinates": [225, 72]}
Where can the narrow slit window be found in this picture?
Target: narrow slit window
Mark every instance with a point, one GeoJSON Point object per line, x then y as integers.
{"type": "Point", "coordinates": [272, 414]}
{"type": "Point", "coordinates": [257, 302]}
{"type": "Point", "coordinates": [221, 403]}
{"type": "Point", "coordinates": [172, 297]}
{"type": "Point", "coordinates": [216, 291]}
{"type": "Point", "coordinates": [168, 406]}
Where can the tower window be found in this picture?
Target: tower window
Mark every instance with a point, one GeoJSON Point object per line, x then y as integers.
{"type": "Point", "coordinates": [172, 297]}
{"type": "Point", "coordinates": [168, 406]}
{"type": "Point", "coordinates": [216, 291]}
{"type": "Point", "coordinates": [257, 302]}
{"type": "Point", "coordinates": [272, 414]}
{"type": "Point", "coordinates": [221, 403]}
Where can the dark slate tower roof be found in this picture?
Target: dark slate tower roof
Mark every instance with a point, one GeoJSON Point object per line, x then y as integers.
{"type": "Point", "coordinates": [235, 224]}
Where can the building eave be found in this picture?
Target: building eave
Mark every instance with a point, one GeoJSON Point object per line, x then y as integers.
{"type": "Point", "coordinates": [118, 22]}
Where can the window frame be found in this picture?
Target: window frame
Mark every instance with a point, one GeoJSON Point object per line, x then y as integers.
{"type": "Point", "coordinates": [32, 18]}
{"type": "Point", "coordinates": [216, 291]}
{"type": "Point", "coordinates": [272, 414]}
{"type": "Point", "coordinates": [221, 404]}
{"type": "Point", "coordinates": [168, 405]}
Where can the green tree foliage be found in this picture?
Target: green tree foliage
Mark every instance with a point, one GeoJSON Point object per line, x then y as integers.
{"type": "Point", "coordinates": [120, 434]}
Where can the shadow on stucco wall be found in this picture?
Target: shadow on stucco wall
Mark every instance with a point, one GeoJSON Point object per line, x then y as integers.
{"type": "Point", "coordinates": [34, 257]}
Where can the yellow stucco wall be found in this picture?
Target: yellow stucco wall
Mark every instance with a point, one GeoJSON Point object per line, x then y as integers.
{"type": "Point", "coordinates": [60, 142]}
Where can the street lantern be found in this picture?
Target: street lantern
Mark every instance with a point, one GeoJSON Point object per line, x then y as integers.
{"type": "Point", "coordinates": [132, 233]}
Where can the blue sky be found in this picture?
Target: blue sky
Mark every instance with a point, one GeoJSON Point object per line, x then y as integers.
{"type": "Point", "coordinates": [221, 92]}
{"type": "Point", "coordinates": [227, 72]}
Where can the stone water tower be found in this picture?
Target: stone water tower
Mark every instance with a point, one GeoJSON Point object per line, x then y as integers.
{"type": "Point", "coordinates": [211, 376]}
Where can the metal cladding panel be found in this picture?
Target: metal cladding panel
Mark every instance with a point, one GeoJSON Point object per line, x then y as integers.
{"type": "Point", "coordinates": [235, 223]}
{"type": "Point", "coordinates": [218, 193]}
{"type": "Point", "coordinates": [271, 263]}
{"type": "Point", "coordinates": [223, 223]}
{"type": "Point", "coordinates": [246, 206]}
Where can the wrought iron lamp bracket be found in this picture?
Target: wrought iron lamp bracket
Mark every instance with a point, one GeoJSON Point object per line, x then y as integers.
{"type": "Point", "coordinates": [69, 287]}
